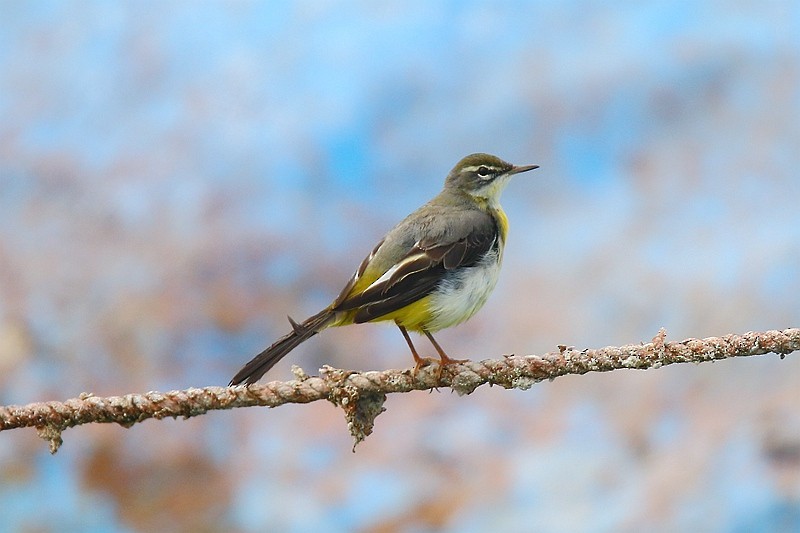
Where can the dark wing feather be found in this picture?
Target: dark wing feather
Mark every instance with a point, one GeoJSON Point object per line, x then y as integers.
{"type": "Point", "coordinates": [350, 284]}
{"type": "Point", "coordinates": [409, 292]}
{"type": "Point", "coordinates": [455, 255]}
{"type": "Point", "coordinates": [423, 267]}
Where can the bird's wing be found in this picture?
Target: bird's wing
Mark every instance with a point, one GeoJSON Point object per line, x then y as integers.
{"type": "Point", "coordinates": [442, 243]}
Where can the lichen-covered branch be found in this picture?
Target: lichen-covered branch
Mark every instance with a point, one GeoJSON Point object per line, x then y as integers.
{"type": "Point", "coordinates": [361, 394]}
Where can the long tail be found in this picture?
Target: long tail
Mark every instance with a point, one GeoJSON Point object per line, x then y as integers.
{"type": "Point", "coordinates": [260, 364]}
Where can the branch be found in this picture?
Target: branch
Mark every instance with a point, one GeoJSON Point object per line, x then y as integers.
{"type": "Point", "coordinates": [361, 394]}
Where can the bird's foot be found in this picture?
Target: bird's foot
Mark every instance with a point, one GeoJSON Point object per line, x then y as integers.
{"type": "Point", "coordinates": [420, 362]}
{"type": "Point", "coordinates": [445, 361]}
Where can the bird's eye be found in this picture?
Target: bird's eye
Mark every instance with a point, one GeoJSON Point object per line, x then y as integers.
{"type": "Point", "coordinates": [483, 172]}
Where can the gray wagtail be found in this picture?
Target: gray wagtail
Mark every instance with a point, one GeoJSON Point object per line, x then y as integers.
{"type": "Point", "coordinates": [434, 270]}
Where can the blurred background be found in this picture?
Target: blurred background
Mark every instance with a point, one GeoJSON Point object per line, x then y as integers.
{"type": "Point", "coordinates": [176, 178]}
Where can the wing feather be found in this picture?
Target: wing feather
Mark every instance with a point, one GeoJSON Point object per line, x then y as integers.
{"type": "Point", "coordinates": [422, 266]}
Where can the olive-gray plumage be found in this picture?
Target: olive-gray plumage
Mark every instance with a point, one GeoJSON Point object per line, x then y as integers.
{"type": "Point", "coordinates": [433, 270]}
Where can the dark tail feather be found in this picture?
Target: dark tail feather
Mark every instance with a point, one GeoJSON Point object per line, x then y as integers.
{"type": "Point", "coordinates": [260, 364]}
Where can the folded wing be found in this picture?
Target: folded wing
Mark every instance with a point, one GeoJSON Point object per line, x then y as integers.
{"type": "Point", "coordinates": [422, 267]}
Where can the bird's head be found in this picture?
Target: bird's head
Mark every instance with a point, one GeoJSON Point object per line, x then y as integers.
{"type": "Point", "coordinates": [483, 176]}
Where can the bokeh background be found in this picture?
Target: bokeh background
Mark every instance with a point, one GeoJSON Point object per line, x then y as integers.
{"type": "Point", "coordinates": [177, 177]}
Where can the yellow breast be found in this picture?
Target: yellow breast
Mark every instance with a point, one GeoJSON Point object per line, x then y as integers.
{"type": "Point", "coordinates": [502, 223]}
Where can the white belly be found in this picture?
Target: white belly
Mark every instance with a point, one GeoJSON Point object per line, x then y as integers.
{"type": "Point", "coordinates": [458, 298]}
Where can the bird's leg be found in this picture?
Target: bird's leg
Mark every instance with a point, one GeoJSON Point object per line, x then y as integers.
{"type": "Point", "coordinates": [445, 359]}
{"type": "Point", "coordinates": [419, 362]}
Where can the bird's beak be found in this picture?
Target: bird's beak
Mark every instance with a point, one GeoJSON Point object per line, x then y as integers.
{"type": "Point", "coordinates": [525, 168]}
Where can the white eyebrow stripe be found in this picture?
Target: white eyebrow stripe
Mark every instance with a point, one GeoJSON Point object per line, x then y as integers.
{"type": "Point", "coordinates": [476, 167]}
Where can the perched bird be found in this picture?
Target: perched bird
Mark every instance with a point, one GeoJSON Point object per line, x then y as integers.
{"type": "Point", "coordinates": [433, 270]}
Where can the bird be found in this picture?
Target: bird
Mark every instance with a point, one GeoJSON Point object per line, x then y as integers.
{"type": "Point", "coordinates": [433, 270]}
